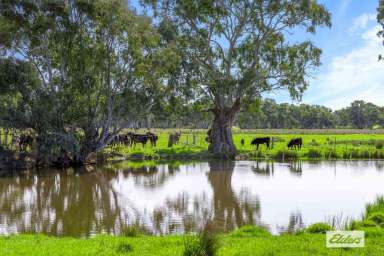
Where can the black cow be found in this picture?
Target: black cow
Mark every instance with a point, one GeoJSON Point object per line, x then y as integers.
{"type": "Point", "coordinates": [262, 140]}
{"type": "Point", "coordinates": [25, 141]}
{"type": "Point", "coordinates": [138, 138]}
{"type": "Point", "coordinates": [152, 138]}
{"type": "Point", "coordinates": [295, 143]}
{"type": "Point", "coordinates": [121, 139]}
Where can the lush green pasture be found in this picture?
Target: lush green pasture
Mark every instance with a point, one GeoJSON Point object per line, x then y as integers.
{"type": "Point", "coordinates": [318, 144]}
{"type": "Point", "coordinates": [246, 241]}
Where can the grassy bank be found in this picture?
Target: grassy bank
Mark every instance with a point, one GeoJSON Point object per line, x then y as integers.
{"type": "Point", "coordinates": [248, 240]}
{"type": "Point", "coordinates": [305, 244]}
{"type": "Point", "coordinates": [318, 144]}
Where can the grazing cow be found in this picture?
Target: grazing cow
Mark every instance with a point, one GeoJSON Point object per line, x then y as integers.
{"type": "Point", "coordinates": [295, 143]}
{"type": "Point", "coordinates": [263, 140]}
{"type": "Point", "coordinates": [242, 142]}
{"type": "Point", "coordinates": [121, 139]}
{"type": "Point", "coordinates": [173, 138]}
{"type": "Point", "coordinates": [124, 139]}
{"type": "Point", "coordinates": [138, 138]}
{"type": "Point", "coordinates": [25, 141]}
{"type": "Point", "coordinates": [152, 138]}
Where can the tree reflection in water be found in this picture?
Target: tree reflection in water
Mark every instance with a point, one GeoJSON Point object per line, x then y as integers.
{"type": "Point", "coordinates": [59, 204]}
{"type": "Point", "coordinates": [174, 198]}
{"type": "Point", "coordinates": [230, 210]}
{"type": "Point", "coordinates": [84, 202]}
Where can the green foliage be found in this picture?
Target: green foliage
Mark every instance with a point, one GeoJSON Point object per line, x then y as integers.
{"type": "Point", "coordinates": [97, 65]}
{"type": "Point", "coordinates": [231, 58]}
{"type": "Point", "coordinates": [377, 217]}
{"type": "Point", "coordinates": [376, 207]}
{"type": "Point", "coordinates": [130, 231]}
{"type": "Point", "coordinates": [319, 228]}
{"type": "Point", "coordinates": [206, 243]}
{"type": "Point", "coordinates": [124, 248]}
{"type": "Point", "coordinates": [358, 225]}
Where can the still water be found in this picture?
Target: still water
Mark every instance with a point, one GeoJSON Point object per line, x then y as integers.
{"type": "Point", "coordinates": [180, 197]}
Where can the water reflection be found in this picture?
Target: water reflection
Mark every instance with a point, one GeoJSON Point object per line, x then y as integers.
{"type": "Point", "coordinates": [178, 198]}
{"type": "Point", "coordinates": [230, 210]}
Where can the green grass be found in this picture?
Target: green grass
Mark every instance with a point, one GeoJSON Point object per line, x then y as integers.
{"type": "Point", "coordinates": [318, 144]}
{"type": "Point", "coordinates": [254, 243]}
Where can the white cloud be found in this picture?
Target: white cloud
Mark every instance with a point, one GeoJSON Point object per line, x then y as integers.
{"type": "Point", "coordinates": [361, 22]}
{"type": "Point", "coordinates": [356, 75]}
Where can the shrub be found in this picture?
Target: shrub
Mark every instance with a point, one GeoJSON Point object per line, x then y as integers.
{"type": "Point", "coordinates": [206, 243]}
{"type": "Point", "coordinates": [373, 231]}
{"type": "Point", "coordinates": [124, 248]}
{"type": "Point", "coordinates": [356, 225]}
{"type": "Point", "coordinates": [130, 231]}
{"type": "Point", "coordinates": [251, 231]}
{"type": "Point", "coordinates": [377, 206]}
{"type": "Point", "coordinates": [377, 217]}
{"type": "Point", "coordinates": [319, 228]}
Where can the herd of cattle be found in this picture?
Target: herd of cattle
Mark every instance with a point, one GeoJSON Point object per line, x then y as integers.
{"type": "Point", "coordinates": [131, 139]}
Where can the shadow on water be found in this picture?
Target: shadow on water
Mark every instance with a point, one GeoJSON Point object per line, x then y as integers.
{"type": "Point", "coordinates": [164, 198]}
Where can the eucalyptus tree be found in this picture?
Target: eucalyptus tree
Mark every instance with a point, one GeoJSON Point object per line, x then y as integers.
{"type": "Point", "coordinates": [92, 57]}
{"type": "Point", "coordinates": [241, 50]}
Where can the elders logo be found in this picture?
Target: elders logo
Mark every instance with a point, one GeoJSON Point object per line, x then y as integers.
{"type": "Point", "coordinates": [339, 239]}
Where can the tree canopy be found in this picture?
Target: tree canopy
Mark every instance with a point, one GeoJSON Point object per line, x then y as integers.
{"type": "Point", "coordinates": [96, 63]}
{"type": "Point", "coordinates": [240, 49]}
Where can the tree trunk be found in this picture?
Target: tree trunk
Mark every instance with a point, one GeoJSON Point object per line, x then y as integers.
{"type": "Point", "coordinates": [220, 135]}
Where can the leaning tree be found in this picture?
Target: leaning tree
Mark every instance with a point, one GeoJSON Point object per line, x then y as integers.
{"type": "Point", "coordinates": [91, 57]}
{"type": "Point", "coordinates": [243, 48]}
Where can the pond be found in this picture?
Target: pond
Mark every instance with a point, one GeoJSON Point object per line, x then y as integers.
{"type": "Point", "coordinates": [175, 198]}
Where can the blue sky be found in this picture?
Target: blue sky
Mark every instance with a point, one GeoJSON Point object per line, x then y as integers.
{"type": "Point", "coordinates": [350, 70]}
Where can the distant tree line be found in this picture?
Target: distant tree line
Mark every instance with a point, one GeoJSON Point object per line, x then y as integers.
{"type": "Point", "coordinates": [269, 114]}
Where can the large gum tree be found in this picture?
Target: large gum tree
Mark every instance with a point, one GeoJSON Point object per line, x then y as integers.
{"type": "Point", "coordinates": [92, 59]}
{"type": "Point", "coordinates": [240, 49]}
